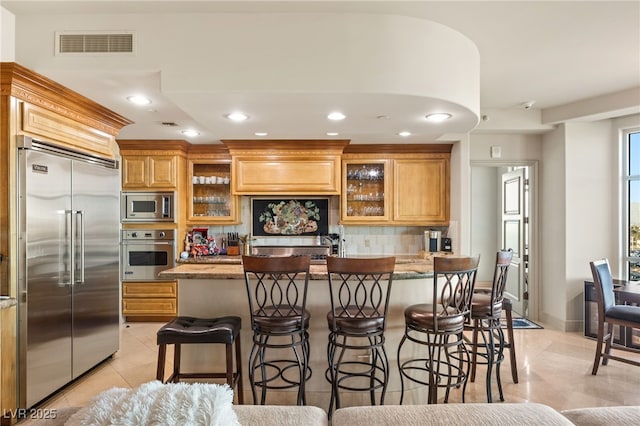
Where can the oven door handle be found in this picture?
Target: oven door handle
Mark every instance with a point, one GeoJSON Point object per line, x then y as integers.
{"type": "Point", "coordinates": [145, 243]}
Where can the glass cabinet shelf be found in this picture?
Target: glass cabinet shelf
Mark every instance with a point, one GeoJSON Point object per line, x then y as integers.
{"type": "Point", "coordinates": [365, 185]}
{"type": "Point", "coordinates": [210, 198]}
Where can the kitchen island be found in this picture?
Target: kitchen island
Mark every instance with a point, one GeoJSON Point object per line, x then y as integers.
{"type": "Point", "coordinates": [216, 288]}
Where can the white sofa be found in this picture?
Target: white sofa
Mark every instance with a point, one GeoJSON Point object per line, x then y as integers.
{"type": "Point", "coordinates": [481, 414]}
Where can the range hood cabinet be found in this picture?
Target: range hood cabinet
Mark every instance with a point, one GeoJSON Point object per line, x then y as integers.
{"type": "Point", "coordinates": [309, 167]}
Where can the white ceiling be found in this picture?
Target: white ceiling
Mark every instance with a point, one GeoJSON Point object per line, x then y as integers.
{"type": "Point", "coordinates": [557, 54]}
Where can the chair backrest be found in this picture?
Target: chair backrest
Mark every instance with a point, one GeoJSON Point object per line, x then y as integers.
{"type": "Point", "coordinates": [360, 288]}
{"type": "Point", "coordinates": [503, 261]}
{"type": "Point", "coordinates": [276, 286]}
{"type": "Point", "coordinates": [453, 281]}
{"type": "Point", "coordinates": [603, 283]}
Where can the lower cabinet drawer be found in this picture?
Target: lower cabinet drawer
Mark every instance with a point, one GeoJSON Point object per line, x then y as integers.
{"type": "Point", "coordinates": [149, 306]}
{"type": "Point", "coordinates": [153, 298]}
{"type": "Point", "coordinates": [149, 289]}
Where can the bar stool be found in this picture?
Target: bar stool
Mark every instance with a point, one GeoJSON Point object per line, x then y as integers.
{"type": "Point", "coordinates": [277, 292]}
{"type": "Point", "coordinates": [509, 342]}
{"type": "Point", "coordinates": [438, 325]}
{"type": "Point", "coordinates": [359, 290]}
{"type": "Point", "coordinates": [190, 330]}
{"type": "Point", "coordinates": [484, 320]}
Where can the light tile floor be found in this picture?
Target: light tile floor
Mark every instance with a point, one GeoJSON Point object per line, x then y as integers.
{"type": "Point", "coordinates": [554, 369]}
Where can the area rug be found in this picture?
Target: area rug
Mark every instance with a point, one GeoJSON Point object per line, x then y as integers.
{"type": "Point", "coordinates": [521, 323]}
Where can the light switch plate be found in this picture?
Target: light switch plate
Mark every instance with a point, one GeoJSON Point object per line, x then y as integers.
{"type": "Point", "coordinates": [496, 151]}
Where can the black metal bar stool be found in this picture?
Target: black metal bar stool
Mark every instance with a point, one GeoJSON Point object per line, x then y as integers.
{"type": "Point", "coordinates": [189, 330]}
{"type": "Point", "coordinates": [509, 342]}
{"type": "Point", "coordinates": [277, 292]}
{"type": "Point", "coordinates": [438, 327]}
{"type": "Point", "coordinates": [359, 290]}
{"type": "Point", "coordinates": [484, 321]}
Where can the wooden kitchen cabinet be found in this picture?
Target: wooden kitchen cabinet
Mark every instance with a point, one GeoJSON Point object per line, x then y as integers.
{"type": "Point", "coordinates": [413, 190]}
{"type": "Point", "coordinates": [149, 172]}
{"type": "Point", "coordinates": [366, 193]}
{"type": "Point", "coordinates": [209, 196]}
{"type": "Point", "coordinates": [285, 167]}
{"type": "Point", "coordinates": [147, 301]}
{"type": "Point", "coordinates": [145, 169]}
{"type": "Point", "coordinates": [421, 191]}
{"type": "Point", "coordinates": [8, 363]}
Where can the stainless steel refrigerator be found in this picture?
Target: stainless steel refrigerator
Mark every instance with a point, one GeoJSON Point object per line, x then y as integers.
{"type": "Point", "coordinates": [68, 274]}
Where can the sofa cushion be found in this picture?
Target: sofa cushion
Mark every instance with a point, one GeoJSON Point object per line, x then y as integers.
{"type": "Point", "coordinates": [281, 415]}
{"type": "Point", "coordinates": [603, 416]}
{"type": "Point", "coordinates": [450, 414]}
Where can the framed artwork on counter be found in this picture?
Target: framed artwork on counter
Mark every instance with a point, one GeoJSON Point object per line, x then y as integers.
{"type": "Point", "coordinates": [289, 216]}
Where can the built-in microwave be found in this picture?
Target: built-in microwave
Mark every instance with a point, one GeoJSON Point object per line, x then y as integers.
{"type": "Point", "coordinates": [147, 206]}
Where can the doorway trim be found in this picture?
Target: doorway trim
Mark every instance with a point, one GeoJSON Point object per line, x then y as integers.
{"type": "Point", "coordinates": [534, 228]}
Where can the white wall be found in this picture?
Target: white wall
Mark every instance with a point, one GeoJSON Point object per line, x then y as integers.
{"type": "Point", "coordinates": [590, 207]}
{"type": "Point", "coordinates": [580, 215]}
{"type": "Point", "coordinates": [516, 147]}
{"type": "Point", "coordinates": [484, 214]}
{"type": "Point", "coordinates": [7, 36]}
{"type": "Point", "coordinates": [552, 213]}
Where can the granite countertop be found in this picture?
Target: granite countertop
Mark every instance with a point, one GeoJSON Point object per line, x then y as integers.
{"type": "Point", "coordinates": [406, 268]}
{"type": "Point", "coordinates": [7, 302]}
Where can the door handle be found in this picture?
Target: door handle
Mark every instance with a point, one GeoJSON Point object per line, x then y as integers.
{"type": "Point", "coordinates": [79, 266]}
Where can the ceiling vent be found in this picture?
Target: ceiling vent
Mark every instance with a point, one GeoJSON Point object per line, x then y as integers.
{"type": "Point", "coordinates": [94, 43]}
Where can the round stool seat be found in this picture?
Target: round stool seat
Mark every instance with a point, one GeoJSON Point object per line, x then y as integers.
{"type": "Point", "coordinates": [421, 317]}
{"type": "Point", "coordinates": [200, 330]}
{"type": "Point", "coordinates": [482, 307]}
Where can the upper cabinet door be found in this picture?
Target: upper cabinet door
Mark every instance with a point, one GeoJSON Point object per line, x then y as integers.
{"type": "Point", "coordinates": [286, 175]}
{"type": "Point", "coordinates": [421, 191]}
{"type": "Point", "coordinates": [162, 171]}
{"type": "Point", "coordinates": [134, 172]}
{"type": "Point", "coordinates": [366, 196]}
{"type": "Point", "coordinates": [149, 172]}
{"type": "Point", "coordinates": [209, 193]}
{"type": "Point", "coordinates": [285, 167]}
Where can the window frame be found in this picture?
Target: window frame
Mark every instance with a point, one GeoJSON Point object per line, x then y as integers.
{"type": "Point", "coordinates": [627, 178]}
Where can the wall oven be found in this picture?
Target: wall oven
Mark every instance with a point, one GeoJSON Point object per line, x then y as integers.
{"type": "Point", "coordinates": [145, 253]}
{"type": "Point", "coordinates": [147, 206]}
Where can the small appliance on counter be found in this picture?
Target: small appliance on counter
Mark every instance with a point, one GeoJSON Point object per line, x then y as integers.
{"type": "Point", "coordinates": [446, 244]}
{"type": "Point", "coordinates": [432, 240]}
{"type": "Point", "coordinates": [333, 240]}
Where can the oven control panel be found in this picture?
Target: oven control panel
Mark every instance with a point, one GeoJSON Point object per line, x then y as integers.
{"type": "Point", "coordinates": [148, 234]}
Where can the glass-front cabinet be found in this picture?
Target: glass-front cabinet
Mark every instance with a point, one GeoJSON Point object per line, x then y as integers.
{"type": "Point", "coordinates": [210, 199]}
{"type": "Point", "coordinates": [366, 184]}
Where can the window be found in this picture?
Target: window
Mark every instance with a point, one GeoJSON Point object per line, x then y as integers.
{"type": "Point", "coordinates": [631, 191]}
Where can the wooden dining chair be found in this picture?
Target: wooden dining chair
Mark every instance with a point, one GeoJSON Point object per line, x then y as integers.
{"type": "Point", "coordinates": [610, 314]}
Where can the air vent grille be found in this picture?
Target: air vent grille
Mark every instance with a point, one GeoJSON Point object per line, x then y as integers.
{"type": "Point", "coordinates": [95, 43]}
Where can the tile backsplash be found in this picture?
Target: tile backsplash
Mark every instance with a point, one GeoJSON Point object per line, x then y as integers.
{"type": "Point", "coordinates": [360, 240]}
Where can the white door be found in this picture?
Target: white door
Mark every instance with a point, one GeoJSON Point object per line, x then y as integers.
{"type": "Point", "coordinates": [513, 236]}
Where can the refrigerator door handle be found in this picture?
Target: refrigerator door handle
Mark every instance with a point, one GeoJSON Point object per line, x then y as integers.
{"type": "Point", "coordinates": [79, 262]}
{"type": "Point", "coordinates": [66, 258]}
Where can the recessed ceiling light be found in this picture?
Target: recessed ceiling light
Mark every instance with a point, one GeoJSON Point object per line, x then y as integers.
{"type": "Point", "coordinates": [332, 133]}
{"type": "Point", "coordinates": [237, 116]}
{"type": "Point", "coordinates": [438, 117]}
{"type": "Point", "coordinates": [404, 133]}
{"type": "Point", "coordinates": [139, 100]}
{"type": "Point", "coordinates": [190, 132]}
{"type": "Point", "coordinates": [336, 116]}
{"type": "Point", "coordinates": [261, 133]}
